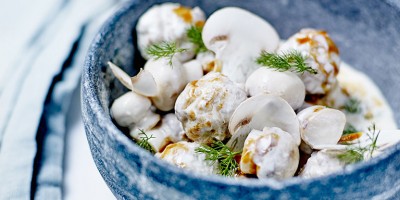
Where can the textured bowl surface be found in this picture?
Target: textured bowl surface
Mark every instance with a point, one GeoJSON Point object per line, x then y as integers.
{"type": "Point", "coordinates": [368, 35]}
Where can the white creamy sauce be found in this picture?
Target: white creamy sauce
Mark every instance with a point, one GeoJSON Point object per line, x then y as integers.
{"type": "Point", "coordinates": [374, 107]}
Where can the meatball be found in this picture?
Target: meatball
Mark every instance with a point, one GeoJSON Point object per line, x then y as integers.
{"type": "Point", "coordinates": [271, 153]}
{"type": "Point", "coordinates": [168, 22]}
{"type": "Point", "coordinates": [323, 55]}
{"type": "Point", "coordinates": [205, 107]}
{"type": "Point", "coordinates": [183, 155]}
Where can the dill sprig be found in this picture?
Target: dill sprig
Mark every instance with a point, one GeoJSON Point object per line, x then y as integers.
{"type": "Point", "coordinates": [352, 105]}
{"type": "Point", "coordinates": [144, 141]}
{"type": "Point", "coordinates": [290, 60]}
{"type": "Point", "coordinates": [356, 153]}
{"type": "Point", "coordinates": [349, 129]}
{"type": "Point", "coordinates": [164, 50]}
{"type": "Point", "coordinates": [352, 155]}
{"type": "Point", "coordinates": [373, 137]}
{"type": "Point", "coordinates": [195, 37]}
{"type": "Point", "coordinates": [218, 151]}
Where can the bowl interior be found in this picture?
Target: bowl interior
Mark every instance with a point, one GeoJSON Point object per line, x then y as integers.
{"type": "Point", "coordinates": [366, 33]}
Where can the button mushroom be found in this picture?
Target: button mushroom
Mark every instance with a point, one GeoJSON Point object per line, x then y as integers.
{"type": "Point", "coordinates": [237, 37]}
{"type": "Point", "coordinates": [183, 155]}
{"type": "Point", "coordinates": [263, 110]}
{"type": "Point", "coordinates": [284, 84]}
{"type": "Point", "coordinates": [170, 81]}
{"type": "Point", "coordinates": [271, 153]}
{"type": "Point", "coordinates": [323, 56]}
{"type": "Point", "coordinates": [193, 70]}
{"type": "Point", "coordinates": [133, 111]}
{"type": "Point", "coordinates": [320, 125]}
{"type": "Point", "coordinates": [168, 22]}
{"type": "Point", "coordinates": [205, 106]}
{"type": "Point", "coordinates": [169, 131]}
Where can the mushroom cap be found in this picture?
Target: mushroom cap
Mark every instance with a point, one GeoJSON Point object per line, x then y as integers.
{"type": "Point", "coordinates": [257, 112]}
{"type": "Point", "coordinates": [284, 84]}
{"type": "Point", "coordinates": [323, 56]}
{"type": "Point", "coordinates": [130, 108]}
{"type": "Point", "coordinates": [192, 70]}
{"type": "Point", "coordinates": [183, 155]}
{"type": "Point", "coordinates": [168, 22]}
{"type": "Point", "coordinates": [322, 163]}
{"type": "Point", "coordinates": [320, 125]}
{"type": "Point", "coordinates": [143, 83]}
{"type": "Point", "coordinates": [271, 153]}
{"type": "Point", "coordinates": [170, 81]}
{"type": "Point", "coordinates": [205, 106]}
{"type": "Point", "coordinates": [237, 37]}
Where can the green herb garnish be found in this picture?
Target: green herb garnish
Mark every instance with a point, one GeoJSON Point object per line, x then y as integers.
{"type": "Point", "coordinates": [352, 106]}
{"type": "Point", "coordinates": [291, 60]}
{"type": "Point", "coordinates": [356, 153]}
{"type": "Point", "coordinates": [144, 141]}
{"type": "Point", "coordinates": [349, 129]}
{"type": "Point", "coordinates": [195, 37]}
{"type": "Point", "coordinates": [164, 50]}
{"type": "Point", "coordinates": [218, 151]}
{"type": "Point", "coordinates": [352, 155]}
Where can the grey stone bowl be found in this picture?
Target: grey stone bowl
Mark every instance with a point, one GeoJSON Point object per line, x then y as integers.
{"type": "Point", "coordinates": [368, 35]}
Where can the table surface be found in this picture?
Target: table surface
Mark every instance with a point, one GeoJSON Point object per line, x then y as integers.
{"type": "Point", "coordinates": [82, 180]}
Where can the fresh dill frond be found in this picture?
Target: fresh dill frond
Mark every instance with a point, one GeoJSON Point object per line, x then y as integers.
{"type": "Point", "coordinates": [164, 50]}
{"type": "Point", "coordinates": [352, 106]}
{"type": "Point", "coordinates": [290, 60]}
{"type": "Point", "coordinates": [373, 135]}
{"type": "Point", "coordinates": [195, 37]}
{"type": "Point", "coordinates": [356, 153]}
{"type": "Point", "coordinates": [349, 129]}
{"type": "Point", "coordinates": [352, 155]}
{"type": "Point", "coordinates": [218, 151]}
{"type": "Point", "coordinates": [144, 141]}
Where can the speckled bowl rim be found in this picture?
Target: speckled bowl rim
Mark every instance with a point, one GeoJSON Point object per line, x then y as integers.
{"type": "Point", "coordinates": [107, 125]}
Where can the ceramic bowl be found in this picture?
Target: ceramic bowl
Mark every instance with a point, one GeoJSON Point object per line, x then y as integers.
{"type": "Point", "coordinates": [368, 35]}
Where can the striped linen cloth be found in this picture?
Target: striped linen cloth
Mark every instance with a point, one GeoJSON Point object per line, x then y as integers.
{"type": "Point", "coordinates": [43, 44]}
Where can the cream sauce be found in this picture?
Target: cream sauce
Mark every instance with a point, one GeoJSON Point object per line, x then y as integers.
{"type": "Point", "coordinates": [374, 107]}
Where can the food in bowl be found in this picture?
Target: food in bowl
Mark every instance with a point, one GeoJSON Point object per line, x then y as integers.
{"type": "Point", "coordinates": [226, 96]}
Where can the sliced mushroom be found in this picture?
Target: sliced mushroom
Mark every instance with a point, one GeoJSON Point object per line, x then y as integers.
{"type": "Point", "coordinates": [133, 110]}
{"type": "Point", "coordinates": [205, 106]}
{"type": "Point", "coordinates": [168, 22]}
{"type": "Point", "coordinates": [271, 153]}
{"type": "Point", "coordinates": [320, 125]}
{"type": "Point", "coordinates": [183, 155]}
{"type": "Point", "coordinates": [323, 56]}
{"type": "Point", "coordinates": [237, 37]}
{"type": "Point", "coordinates": [284, 84]}
{"type": "Point", "coordinates": [257, 112]}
